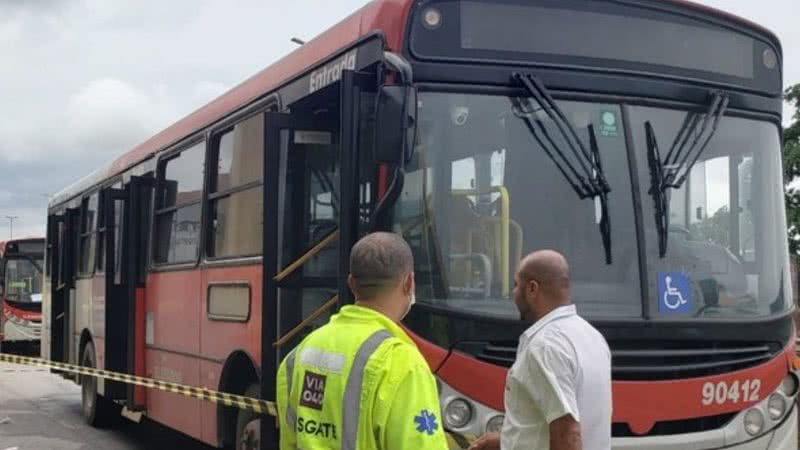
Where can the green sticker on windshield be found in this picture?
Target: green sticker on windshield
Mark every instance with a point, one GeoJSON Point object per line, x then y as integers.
{"type": "Point", "coordinates": [608, 124]}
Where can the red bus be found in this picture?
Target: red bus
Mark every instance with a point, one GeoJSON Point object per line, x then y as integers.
{"type": "Point", "coordinates": [640, 138]}
{"type": "Point", "coordinates": [21, 262]}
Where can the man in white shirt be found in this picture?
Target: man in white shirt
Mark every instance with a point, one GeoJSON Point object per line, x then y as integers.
{"type": "Point", "coordinates": [558, 392]}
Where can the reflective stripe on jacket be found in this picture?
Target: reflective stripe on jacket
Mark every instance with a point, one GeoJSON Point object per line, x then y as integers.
{"type": "Point", "coordinates": [358, 383]}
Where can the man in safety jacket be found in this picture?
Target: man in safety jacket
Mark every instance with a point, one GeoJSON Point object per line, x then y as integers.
{"type": "Point", "coordinates": [359, 382]}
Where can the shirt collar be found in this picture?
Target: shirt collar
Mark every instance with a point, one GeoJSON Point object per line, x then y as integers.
{"type": "Point", "coordinates": [558, 313]}
{"type": "Point", "coordinates": [355, 313]}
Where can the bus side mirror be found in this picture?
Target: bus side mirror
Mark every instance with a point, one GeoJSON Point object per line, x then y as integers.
{"type": "Point", "coordinates": [395, 124]}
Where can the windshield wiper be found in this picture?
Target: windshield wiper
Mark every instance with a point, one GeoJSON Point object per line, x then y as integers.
{"type": "Point", "coordinates": [660, 198]}
{"type": "Point", "coordinates": [672, 171]}
{"type": "Point", "coordinates": [586, 177]}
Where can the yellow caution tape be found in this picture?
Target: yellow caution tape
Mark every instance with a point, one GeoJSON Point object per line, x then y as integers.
{"type": "Point", "coordinates": [237, 401]}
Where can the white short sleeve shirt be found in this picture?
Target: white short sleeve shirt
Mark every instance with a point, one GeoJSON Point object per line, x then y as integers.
{"type": "Point", "coordinates": [563, 366]}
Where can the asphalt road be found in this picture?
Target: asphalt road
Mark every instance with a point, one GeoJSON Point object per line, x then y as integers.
{"type": "Point", "coordinates": [41, 411]}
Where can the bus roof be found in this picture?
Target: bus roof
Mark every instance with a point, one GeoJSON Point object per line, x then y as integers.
{"type": "Point", "coordinates": [378, 15]}
{"type": "Point", "coordinates": [4, 244]}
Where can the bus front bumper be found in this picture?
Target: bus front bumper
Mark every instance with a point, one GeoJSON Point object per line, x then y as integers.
{"type": "Point", "coordinates": [13, 332]}
{"type": "Point", "coordinates": [782, 437]}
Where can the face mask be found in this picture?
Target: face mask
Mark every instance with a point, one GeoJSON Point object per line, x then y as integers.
{"type": "Point", "coordinates": [410, 304]}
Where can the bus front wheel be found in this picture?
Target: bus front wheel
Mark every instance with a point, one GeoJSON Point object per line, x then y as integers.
{"type": "Point", "coordinates": [248, 427]}
{"type": "Point", "coordinates": [97, 411]}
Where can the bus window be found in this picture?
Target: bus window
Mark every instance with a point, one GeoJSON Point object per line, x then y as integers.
{"type": "Point", "coordinates": [479, 195]}
{"type": "Point", "coordinates": [464, 173]}
{"type": "Point", "coordinates": [101, 231]}
{"type": "Point", "coordinates": [144, 230]}
{"type": "Point", "coordinates": [88, 239]}
{"type": "Point", "coordinates": [23, 280]}
{"type": "Point", "coordinates": [732, 203]}
{"type": "Point", "coordinates": [100, 259]}
{"type": "Point", "coordinates": [322, 200]}
{"type": "Point", "coordinates": [236, 200]}
{"type": "Point", "coordinates": [747, 246]}
{"type": "Point", "coordinates": [178, 215]}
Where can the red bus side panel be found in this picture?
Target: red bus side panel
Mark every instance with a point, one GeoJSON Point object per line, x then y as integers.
{"type": "Point", "coordinates": [173, 410]}
{"type": "Point", "coordinates": [219, 338]}
{"type": "Point", "coordinates": [173, 307]}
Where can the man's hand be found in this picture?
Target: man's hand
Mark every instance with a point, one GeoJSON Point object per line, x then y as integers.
{"type": "Point", "coordinates": [489, 441]}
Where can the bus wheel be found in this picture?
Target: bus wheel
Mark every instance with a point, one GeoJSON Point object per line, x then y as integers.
{"type": "Point", "coordinates": [248, 427]}
{"type": "Point", "coordinates": [97, 411]}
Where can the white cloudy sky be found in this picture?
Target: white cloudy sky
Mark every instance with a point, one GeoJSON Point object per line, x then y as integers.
{"type": "Point", "coordinates": [83, 80]}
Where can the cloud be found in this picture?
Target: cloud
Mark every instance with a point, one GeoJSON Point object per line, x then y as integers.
{"type": "Point", "coordinates": [83, 81]}
{"type": "Point", "coordinates": [108, 115]}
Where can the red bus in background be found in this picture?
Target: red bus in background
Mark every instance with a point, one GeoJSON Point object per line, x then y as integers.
{"type": "Point", "coordinates": [640, 138]}
{"type": "Point", "coordinates": [21, 262]}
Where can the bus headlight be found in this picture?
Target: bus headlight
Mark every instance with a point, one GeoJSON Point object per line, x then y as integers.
{"type": "Point", "coordinates": [789, 385]}
{"type": "Point", "coordinates": [776, 406]}
{"type": "Point", "coordinates": [457, 413]}
{"type": "Point", "coordinates": [495, 424]}
{"type": "Point", "coordinates": [754, 422]}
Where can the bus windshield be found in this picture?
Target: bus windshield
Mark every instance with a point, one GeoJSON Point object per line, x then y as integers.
{"type": "Point", "coordinates": [23, 280]}
{"type": "Point", "coordinates": [482, 191]}
{"type": "Point", "coordinates": [726, 227]}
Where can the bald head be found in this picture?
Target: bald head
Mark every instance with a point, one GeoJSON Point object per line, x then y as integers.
{"type": "Point", "coordinates": [550, 270]}
{"type": "Point", "coordinates": [378, 262]}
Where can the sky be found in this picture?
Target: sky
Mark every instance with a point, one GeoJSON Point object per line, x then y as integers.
{"type": "Point", "coordinates": [82, 81]}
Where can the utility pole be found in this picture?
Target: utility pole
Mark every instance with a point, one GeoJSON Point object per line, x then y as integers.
{"type": "Point", "coordinates": [11, 225]}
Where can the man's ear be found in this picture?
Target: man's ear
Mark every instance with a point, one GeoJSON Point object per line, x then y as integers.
{"type": "Point", "coordinates": [532, 286]}
{"type": "Point", "coordinates": [352, 284]}
{"type": "Point", "coordinates": [408, 284]}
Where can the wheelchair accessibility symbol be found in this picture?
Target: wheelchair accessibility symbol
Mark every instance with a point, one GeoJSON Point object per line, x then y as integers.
{"type": "Point", "coordinates": [674, 293]}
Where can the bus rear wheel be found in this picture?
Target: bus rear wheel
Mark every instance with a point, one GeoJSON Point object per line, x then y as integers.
{"type": "Point", "coordinates": [97, 411]}
{"type": "Point", "coordinates": [248, 427]}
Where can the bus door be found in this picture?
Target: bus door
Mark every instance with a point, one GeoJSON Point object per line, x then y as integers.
{"type": "Point", "coordinates": [311, 199]}
{"type": "Point", "coordinates": [135, 243]}
{"type": "Point", "coordinates": [116, 316]}
{"type": "Point", "coordinates": [125, 248]}
{"type": "Point", "coordinates": [61, 238]}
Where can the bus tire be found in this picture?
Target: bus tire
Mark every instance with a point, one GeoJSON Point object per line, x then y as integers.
{"type": "Point", "coordinates": [97, 411]}
{"type": "Point", "coordinates": [248, 429]}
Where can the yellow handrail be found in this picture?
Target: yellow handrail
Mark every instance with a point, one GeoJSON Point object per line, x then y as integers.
{"type": "Point", "coordinates": [307, 255]}
{"type": "Point", "coordinates": [505, 220]}
{"type": "Point", "coordinates": [305, 322]}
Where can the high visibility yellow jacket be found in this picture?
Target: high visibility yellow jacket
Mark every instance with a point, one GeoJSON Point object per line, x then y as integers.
{"type": "Point", "coordinates": [358, 383]}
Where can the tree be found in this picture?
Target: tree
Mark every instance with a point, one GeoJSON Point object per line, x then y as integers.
{"type": "Point", "coordinates": [715, 228]}
{"type": "Point", "coordinates": [791, 167]}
